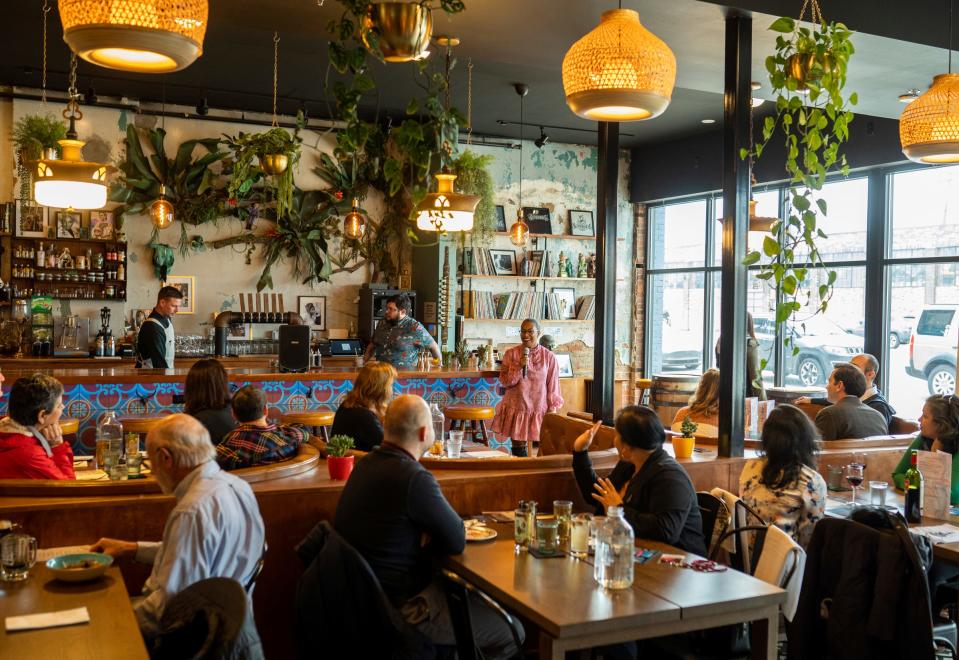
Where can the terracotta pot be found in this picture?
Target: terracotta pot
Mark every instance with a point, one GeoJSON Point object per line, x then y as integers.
{"type": "Point", "coordinates": [274, 164]}
{"type": "Point", "coordinates": [403, 29]}
{"type": "Point", "coordinates": [683, 447]}
{"type": "Point", "coordinates": [339, 467]}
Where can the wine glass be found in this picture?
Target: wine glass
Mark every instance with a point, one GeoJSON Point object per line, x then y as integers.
{"type": "Point", "coordinates": [859, 458]}
{"type": "Point", "coordinates": [854, 477]}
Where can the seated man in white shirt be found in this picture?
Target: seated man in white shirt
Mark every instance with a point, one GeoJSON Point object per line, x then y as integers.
{"type": "Point", "coordinates": [215, 529]}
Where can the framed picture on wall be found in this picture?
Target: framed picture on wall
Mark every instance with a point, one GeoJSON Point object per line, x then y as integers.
{"type": "Point", "coordinates": [32, 221]}
{"type": "Point", "coordinates": [500, 218]}
{"type": "Point", "coordinates": [239, 331]}
{"type": "Point", "coordinates": [565, 363]}
{"type": "Point", "coordinates": [566, 301]}
{"type": "Point", "coordinates": [581, 223]}
{"type": "Point", "coordinates": [101, 225]}
{"type": "Point", "coordinates": [69, 224]}
{"type": "Point", "coordinates": [313, 311]}
{"type": "Point", "coordinates": [186, 284]}
{"type": "Point", "coordinates": [537, 218]}
{"type": "Point", "coordinates": [504, 261]}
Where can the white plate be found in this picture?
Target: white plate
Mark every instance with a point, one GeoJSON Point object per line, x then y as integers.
{"type": "Point", "coordinates": [477, 532]}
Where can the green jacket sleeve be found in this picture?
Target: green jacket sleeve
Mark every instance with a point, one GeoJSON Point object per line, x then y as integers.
{"type": "Point", "coordinates": [954, 495]}
{"type": "Point", "coordinates": [899, 474]}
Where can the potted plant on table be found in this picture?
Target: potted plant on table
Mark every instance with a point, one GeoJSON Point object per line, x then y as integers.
{"type": "Point", "coordinates": [683, 445]}
{"type": "Point", "coordinates": [338, 461]}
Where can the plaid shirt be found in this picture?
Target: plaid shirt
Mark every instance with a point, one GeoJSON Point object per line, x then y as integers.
{"type": "Point", "coordinates": [248, 445]}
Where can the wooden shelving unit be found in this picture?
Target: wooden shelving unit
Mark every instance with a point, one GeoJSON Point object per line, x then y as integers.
{"type": "Point", "coordinates": [555, 236]}
{"type": "Point", "coordinates": [66, 288]}
{"type": "Point", "coordinates": [517, 321]}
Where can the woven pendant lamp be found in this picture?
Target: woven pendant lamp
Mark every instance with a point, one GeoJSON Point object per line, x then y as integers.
{"type": "Point", "coordinates": [929, 126]}
{"type": "Point", "coordinates": [620, 71]}
{"type": "Point", "coordinates": [146, 36]}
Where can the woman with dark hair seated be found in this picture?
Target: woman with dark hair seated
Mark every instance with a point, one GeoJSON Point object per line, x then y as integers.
{"type": "Point", "coordinates": [31, 444]}
{"type": "Point", "coordinates": [206, 396]}
{"type": "Point", "coordinates": [783, 486]}
{"type": "Point", "coordinates": [657, 497]}
{"type": "Point", "coordinates": [938, 431]}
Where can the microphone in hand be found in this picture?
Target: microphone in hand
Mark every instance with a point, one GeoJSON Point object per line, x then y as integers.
{"type": "Point", "coordinates": [525, 362]}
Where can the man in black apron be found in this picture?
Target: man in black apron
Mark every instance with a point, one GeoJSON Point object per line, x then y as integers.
{"type": "Point", "coordinates": [155, 343]}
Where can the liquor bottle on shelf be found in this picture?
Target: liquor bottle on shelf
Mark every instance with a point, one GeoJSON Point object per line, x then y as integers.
{"type": "Point", "coordinates": [915, 491]}
{"type": "Point", "coordinates": [40, 255]}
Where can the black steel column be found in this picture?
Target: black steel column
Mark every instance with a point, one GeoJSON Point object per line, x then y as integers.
{"type": "Point", "coordinates": [732, 350]}
{"type": "Point", "coordinates": [876, 335]}
{"type": "Point", "coordinates": [604, 351]}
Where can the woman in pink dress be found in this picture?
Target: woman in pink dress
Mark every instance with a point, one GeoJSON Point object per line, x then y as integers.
{"type": "Point", "coordinates": [530, 394]}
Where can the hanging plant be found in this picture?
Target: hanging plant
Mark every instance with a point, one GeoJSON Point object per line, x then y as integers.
{"type": "Point", "coordinates": [808, 75]}
{"type": "Point", "coordinates": [32, 134]}
{"type": "Point", "coordinates": [252, 153]}
{"type": "Point", "coordinates": [473, 178]}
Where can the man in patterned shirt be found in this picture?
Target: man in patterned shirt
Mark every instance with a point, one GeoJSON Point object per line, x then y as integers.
{"type": "Point", "coordinates": [256, 441]}
{"type": "Point", "coordinates": [399, 338]}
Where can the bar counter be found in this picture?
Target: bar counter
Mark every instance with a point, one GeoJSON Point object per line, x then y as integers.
{"type": "Point", "coordinates": [95, 386]}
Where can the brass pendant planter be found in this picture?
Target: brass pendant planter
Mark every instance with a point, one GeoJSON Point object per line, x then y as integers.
{"type": "Point", "coordinates": [402, 30]}
{"type": "Point", "coordinates": [274, 164]}
{"type": "Point", "coordinates": [801, 67]}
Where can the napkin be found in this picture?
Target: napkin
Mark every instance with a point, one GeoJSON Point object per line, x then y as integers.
{"type": "Point", "coordinates": [48, 619]}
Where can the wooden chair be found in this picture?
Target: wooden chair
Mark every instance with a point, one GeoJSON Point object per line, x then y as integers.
{"type": "Point", "coordinates": [140, 424]}
{"type": "Point", "coordinates": [471, 419]}
{"type": "Point", "coordinates": [321, 419]}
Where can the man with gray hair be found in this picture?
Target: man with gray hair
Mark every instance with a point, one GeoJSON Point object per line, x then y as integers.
{"type": "Point", "coordinates": [872, 397]}
{"type": "Point", "coordinates": [215, 529]}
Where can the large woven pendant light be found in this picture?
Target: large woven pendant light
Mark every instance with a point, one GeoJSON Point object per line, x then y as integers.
{"type": "Point", "coordinates": [929, 126]}
{"type": "Point", "coordinates": [146, 36]}
{"type": "Point", "coordinates": [620, 71]}
{"type": "Point", "coordinates": [70, 182]}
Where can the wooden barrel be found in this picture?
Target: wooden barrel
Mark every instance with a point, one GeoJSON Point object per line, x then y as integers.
{"type": "Point", "coordinates": [670, 392]}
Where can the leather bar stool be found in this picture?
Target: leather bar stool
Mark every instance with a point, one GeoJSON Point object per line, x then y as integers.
{"type": "Point", "coordinates": [69, 426]}
{"type": "Point", "coordinates": [140, 424]}
{"type": "Point", "coordinates": [321, 419]}
{"type": "Point", "coordinates": [471, 419]}
{"type": "Point", "coordinates": [643, 387]}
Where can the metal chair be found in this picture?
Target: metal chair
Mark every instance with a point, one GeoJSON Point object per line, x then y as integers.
{"type": "Point", "coordinates": [713, 511]}
{"type": "Point", "coordinates": [458, 592]}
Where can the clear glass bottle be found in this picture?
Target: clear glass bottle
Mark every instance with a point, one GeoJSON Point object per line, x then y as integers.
{"type": "Point", "coordinates": [615, 544]}
{"type": "Point", "coordinates": [109, 439]}
{"type": "Point", "coordinates": [439, 422]}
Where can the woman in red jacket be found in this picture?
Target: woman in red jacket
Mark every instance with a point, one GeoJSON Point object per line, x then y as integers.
{"type": "Point", "coordinates": [31, 444]}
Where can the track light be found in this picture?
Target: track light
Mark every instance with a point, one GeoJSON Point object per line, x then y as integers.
{"type": "Point", "coordinates": [203, 108]}
{"type": "Point", "coordinates": [543, 139]}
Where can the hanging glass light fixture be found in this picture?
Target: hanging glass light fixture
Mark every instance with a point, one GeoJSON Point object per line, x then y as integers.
{"type": "Point", "coordinates": [70, 182]}
{"type": "Point", "coordinates": [146, 36]}
{"type": "Point", "coordinates": [161, 210]}
{"type": "Point", "coordinates": [929, 126]}
{"type": "Point", "coordinates": [354, 224]}
{"type": "Point", "coordinates": [519, 230]}
{"type": "Point", "coordinates": [446, 210]}
{"type": "Point", "coordinates": [620, 71]}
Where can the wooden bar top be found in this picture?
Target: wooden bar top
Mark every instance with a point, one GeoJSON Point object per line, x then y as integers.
{"type": "Point", "coordinates": [129, 374]}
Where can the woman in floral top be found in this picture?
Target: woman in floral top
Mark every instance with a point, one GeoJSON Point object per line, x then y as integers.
{"type": "Point", "coordinates": [783, 486]}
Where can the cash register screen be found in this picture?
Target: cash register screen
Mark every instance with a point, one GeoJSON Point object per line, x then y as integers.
{"type": "Point", "coordinates": [344, 347]}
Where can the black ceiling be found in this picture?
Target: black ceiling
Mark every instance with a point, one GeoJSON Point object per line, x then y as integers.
{"type": "Point", "coordinates": [507, 41]}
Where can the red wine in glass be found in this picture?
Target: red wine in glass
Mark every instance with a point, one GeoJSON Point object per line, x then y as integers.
{"type": "Point", "coordinates": [856, 481]}
{"type": "Point", "coordinates": [854, 475]}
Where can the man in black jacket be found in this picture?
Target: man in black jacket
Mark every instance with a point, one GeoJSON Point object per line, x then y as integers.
{"type": "Point", "coordinates": [872, 397]}
{"type": "Point", "coordinates": [393, 512]}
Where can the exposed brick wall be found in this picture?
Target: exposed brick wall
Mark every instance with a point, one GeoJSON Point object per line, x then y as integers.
{"type": "Point", "coordinates": [639, 291]}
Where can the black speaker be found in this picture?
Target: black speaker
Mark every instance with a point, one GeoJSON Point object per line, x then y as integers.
{"type": "Point", "coordinates": [294, 348]}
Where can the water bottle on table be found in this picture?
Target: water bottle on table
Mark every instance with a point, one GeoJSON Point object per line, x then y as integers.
{"type": "Point", "coordinates": [109, 440]}
{"type": "Point", "coordinates": [615, 543]}
{"type": "Point", "coordinates": [439, 422]}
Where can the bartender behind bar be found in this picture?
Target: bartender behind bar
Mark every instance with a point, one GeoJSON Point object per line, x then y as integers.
{"type": "Point", "coordinates": [156, 345]}
{"type": "Point", "coordinates": [399, 338]}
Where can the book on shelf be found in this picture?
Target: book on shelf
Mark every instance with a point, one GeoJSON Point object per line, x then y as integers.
{"type": "Point", "coordinates": [586, 308]}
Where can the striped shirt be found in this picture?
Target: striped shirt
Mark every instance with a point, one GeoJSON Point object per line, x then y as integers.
{"type": "Point", "coordinates": [248, 445]}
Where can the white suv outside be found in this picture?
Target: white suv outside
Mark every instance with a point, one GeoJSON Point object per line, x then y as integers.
{"type": "Point", "coordinates": [932, 348]}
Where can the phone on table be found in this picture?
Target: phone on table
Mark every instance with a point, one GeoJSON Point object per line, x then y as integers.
{"type": "Point", "coordinates": [643, 555]}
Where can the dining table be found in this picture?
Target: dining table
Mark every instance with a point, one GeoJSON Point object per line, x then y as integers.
{"type": "Point", "coordinates": [112, 632]}
{"type": "Point", "coordinates": [560, 597]}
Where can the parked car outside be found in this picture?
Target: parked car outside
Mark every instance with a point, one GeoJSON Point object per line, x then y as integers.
{"type": "Point", "coordinates": [821, 344]}
{"type": "Point", "coordinates": [899, 332]}
{"type": "Point", "coordinates": [932, 348]}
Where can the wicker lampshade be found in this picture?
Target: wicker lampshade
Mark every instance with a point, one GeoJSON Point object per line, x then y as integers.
{"type": "Point", "coordinates": [929, 126]}
{"type": "Point", "coordinates": [148, 36]}
{"type": "Point", "coordinates": [620, 71]}
{"type": "Point", "coordinates": [446, 209]}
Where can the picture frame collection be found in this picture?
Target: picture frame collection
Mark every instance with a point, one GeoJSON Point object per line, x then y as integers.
{"type": "Point", "coordinates": [29, 220]}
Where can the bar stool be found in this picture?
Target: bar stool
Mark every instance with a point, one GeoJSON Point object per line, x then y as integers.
{"type": "Point", "coordinates": [643, 386]}
{"type": "Point", "coordinates": [321, 419]}
{"type": "Point", "coordinates": [471, 419]}
{"type": "Point", "coordinates": [69, 426]}
{"type": "Point", "coordinates": [140, 424]}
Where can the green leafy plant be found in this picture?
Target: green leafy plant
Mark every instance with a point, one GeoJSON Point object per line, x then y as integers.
{"type": "Point", "coordinates": [462, 352]}
{"type": "Point", "coordinates": [339, 446]}
{"type": "Point", "coordinates": [813, 128]}
{"type": "Point", "coordinates": [34, 133]}
{"type": "Point", "coordinates": [688, 427]}
{"type": "Point", "coordinates": [473, 178]}
{"type": "Point", "coordinates": [246, 169]}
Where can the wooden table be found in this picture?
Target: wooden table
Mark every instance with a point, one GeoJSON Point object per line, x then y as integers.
{"type": "Point", "coordinates": [561, 598]}
{"type": "Point", "coordinates": [111, 633]}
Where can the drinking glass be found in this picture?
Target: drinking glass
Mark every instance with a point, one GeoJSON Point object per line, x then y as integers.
{"type": "Point", "coordinates": [117, 471]}
{"type": "Point", "coordinates": [520, 530]}
{"type": "Point", "coordinates": [859, 459]}
{"type": "Point", "coordinates": [877, 492]}
{"type": "Point", "coordinates": [132, 442]}
{"type": "Point", "coordinates": [547, 536]}
{"type": "Point", "coordinates": [18, 554]}
{"type": "Point", "coordinates": [579, 534]}
{"type": "Point", "coordinates": [854, 477]}
{"type": "Point", "coordinates": [455, 444]}
{"type": "Point", "coordinates": [563, 512]}
{"type": "Point", "coordinates": [134, 461]}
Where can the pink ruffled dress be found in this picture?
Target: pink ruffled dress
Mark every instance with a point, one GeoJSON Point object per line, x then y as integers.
{"type": "Point", "coordinates": [520, 414]}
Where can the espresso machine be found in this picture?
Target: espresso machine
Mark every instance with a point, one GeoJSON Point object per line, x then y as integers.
{"type": "Point", "coordinates": [71, 336]}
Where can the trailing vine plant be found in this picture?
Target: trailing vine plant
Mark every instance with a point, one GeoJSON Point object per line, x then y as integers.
{"type": "Point", "coordinates": [245, 172]}
{"type": "Point", "coordinates": [807, 73]}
